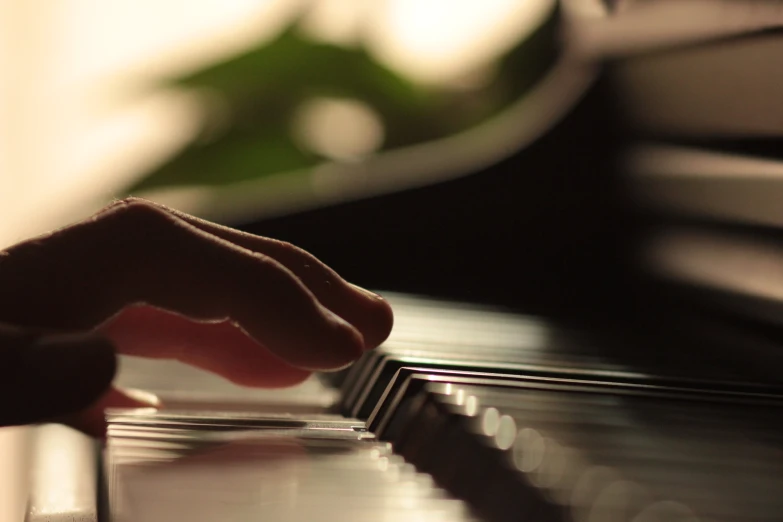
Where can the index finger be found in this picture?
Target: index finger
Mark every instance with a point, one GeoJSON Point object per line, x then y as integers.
{"type": "Point", "coordinates": [77, 277]}
{"type": "Point", "coordinates": [368, 312]}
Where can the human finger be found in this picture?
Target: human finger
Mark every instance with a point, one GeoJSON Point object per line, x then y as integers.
{"type": "Point", "coordinates": [92, 419]}
{"type": "Point", "coordinates": [42, 377]}
{"type": "Point", "coordinates": [368, 312]}
{"type": "Point", "coordinates": [151, 332]}
{"type": "Point", "coordinates": [79, 276]}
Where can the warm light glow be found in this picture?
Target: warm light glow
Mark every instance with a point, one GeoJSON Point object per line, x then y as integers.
{"type": "Point", "coordinates": [336, 21]}
{"type": "Point", "coordinates": [74, 127]}
{"type": "Point", "coordinates": [339, 129]}
{"type": "Point", "coordinates": [471, 406]}
{"type": "Point", "coordinates": [529, 448]}
{"type": "Point", "coordinates": [74, 124]}
{"type": "Point", "coordinates": [14, 471]}
{"type": "Point", "coordinates": [441, 40]}
{"type": "Point", "coordinates": [506, 432]}
{"type": "Point", "coordinates": [490, 422]}
{"type": "Point", "coordinates": [159, 38]}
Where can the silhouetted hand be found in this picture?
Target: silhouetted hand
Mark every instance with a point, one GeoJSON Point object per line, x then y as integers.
{"type": "Point", "coordinates": [146, 280]}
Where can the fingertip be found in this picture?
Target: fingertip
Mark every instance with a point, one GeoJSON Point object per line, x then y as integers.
{"type": "Point", "coordinates": [257, 377]}
{"type": "Point", "coordinates": [92, 420]}
{"type": "Point", "coordinates": [330, 348]}
{"type": "Point", "coordinates": [133, 398]}
{"type": "Point", "coordinates": [380, 317]}
{"type": "Point", "coordinates": [385, 323]}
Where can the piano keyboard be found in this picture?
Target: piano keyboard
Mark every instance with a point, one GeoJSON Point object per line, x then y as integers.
{"type": "Point", "coordinates": [468, 413]}
{"type": "Point", "coordinates": [465, 413]}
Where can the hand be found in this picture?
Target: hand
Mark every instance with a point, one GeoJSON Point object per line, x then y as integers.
{"type": "Point", "coordinates": [146, 280]}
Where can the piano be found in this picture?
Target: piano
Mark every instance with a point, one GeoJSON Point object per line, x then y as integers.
{"type": "Point", "coordinates": [465, 413]}
{"type": "Point", "coordinates": [624, 367]}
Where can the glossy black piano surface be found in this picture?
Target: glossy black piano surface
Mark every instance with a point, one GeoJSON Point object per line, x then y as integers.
{"type": "Point", "coordinates": [487, 415]}
{"type": "Point", "coordinates": [644, 226]}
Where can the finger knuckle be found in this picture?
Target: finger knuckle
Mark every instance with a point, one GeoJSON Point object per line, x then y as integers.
{"type": "Point", "coordinates": [135, 213]}
{"type": "Point", "coordinates": [285, 246]}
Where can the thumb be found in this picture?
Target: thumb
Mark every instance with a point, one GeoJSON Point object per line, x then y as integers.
{"type": "Point", "coordinates": [49, 376]}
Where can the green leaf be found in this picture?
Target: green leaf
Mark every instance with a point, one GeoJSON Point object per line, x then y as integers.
{"type": "Point", "coordinates": [291, 63]}
{"type": "Point", "coordinates": [260, 90]}
{"type": "Point", "coordinates": [236, 157]}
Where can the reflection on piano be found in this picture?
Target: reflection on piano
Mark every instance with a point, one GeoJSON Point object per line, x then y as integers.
{"type": "Point", "coordinates": [465, 413]}
{"type": "Point", "coordinates": [469, 413]}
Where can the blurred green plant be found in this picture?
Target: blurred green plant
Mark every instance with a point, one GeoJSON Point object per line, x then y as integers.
{"type": "Point", "coordinates": [251, 100]}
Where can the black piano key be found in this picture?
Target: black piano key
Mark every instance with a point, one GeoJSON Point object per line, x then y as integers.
{"type": "Point", "coordinates": [568, 431]}
{"type": "Point", "coordinates": [543, 439]}
{"type": "Point", "coordinates": [407, 381]}
{"type": "Point", "coordinates": [386, 370]}
{"type": "Point", "coordinates": [542, 349]}
{"type": "Point", "coordinates": [435, 334]}
{"type": "Point", "coordinates": [356, 378]}
{"type": "Point", "coordinates": [438, 444]}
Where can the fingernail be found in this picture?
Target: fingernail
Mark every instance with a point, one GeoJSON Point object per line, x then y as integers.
{"type": "Point", "coordinates": [366, 292]}
{"type": "Point", "coordinates": [142, 396]}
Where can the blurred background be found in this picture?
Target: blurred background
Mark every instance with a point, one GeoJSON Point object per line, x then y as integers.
{"type": "Point", "coordinates": [192, 103]}
{"type": "Point", "coordinates": [511, 151]}
{"type": "Point", "coordinates": [601, 162]}
{"type": "Point", "coordinates": [244, 111]}
{"type": "Point", "coordinates": [266, 114]}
